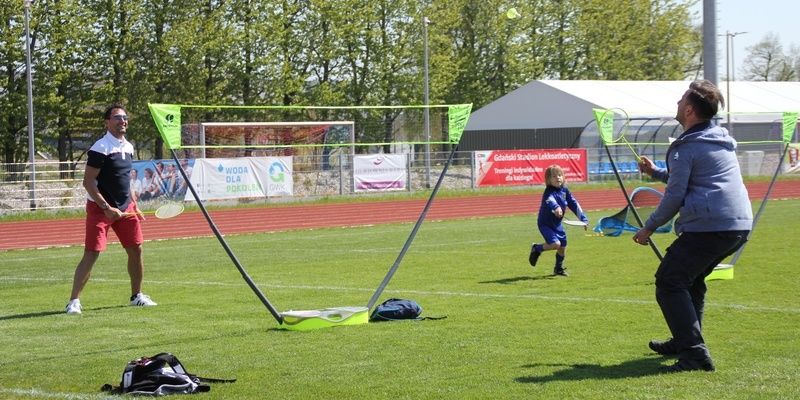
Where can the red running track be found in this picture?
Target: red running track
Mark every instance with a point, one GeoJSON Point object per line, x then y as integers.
{"type": "Point", "coordinates": [69, 232]}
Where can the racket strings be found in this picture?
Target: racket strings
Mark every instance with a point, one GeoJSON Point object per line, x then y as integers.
{"type": "Point", "coordinates": [644, 200]}
{"type": "Point", "coordinates": [620, 137]}
{"type": "Point", "coordinates": [620, 126]}
{"type": "Point", "coordinates": [169, 210]}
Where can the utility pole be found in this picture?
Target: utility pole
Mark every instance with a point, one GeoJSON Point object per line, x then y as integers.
{"type": "Point", "coordinates": [31, 155]}
{"type": "Point", "coordinates": [730, 67]}
{"type": "Point", "coordinates": [425, 22]}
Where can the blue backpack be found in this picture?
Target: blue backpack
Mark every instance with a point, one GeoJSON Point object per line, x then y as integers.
{"type": "Point", "coordinates": [394, 309]}
{"type": "Point", "coordinates": [397, 309]}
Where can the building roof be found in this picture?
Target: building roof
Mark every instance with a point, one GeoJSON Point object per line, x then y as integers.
{"type": "Point", "coordinates": [559, 104]}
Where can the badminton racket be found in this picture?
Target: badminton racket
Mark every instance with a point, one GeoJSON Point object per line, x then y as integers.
{"type": "Point", "coordinates": [165, 211]}
{"type": "Point", "coordinates": [572, 222]}
{"type": "Point", "coordinates": [613, 129]}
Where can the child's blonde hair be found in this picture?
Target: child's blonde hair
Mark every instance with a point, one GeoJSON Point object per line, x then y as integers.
{"type": "Point", "coordinates": [551, 171]}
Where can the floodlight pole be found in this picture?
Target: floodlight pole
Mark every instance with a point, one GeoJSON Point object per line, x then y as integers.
{"type": "Point", "coordinates": [710, 41]}
{"type": "Point", "coordinates": [425, 22]}
{"type": "Point", "coordinates": [31, 158]}
{"type": "Point", "coordinates": [729, 74]}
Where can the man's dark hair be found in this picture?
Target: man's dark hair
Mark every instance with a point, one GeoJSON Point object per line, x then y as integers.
{"type": "Point", "coordinates": [112, 107]}
{"type": "Point", "coordinates": [705, 98]}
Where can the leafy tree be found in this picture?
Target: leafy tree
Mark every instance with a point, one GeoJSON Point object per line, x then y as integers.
{"type": "Point", "coordinates": [65, 77]}
{"type": "Point", "coordinates": [13, 86]}
{"type": "Point", "coordinates": [88, 53]}
{"type": "Point", "coordinates": [629, 40]}
{"type": "Point", "coordinates": [484, 54]}
{"type": "Point", "coordinates": [476, 51]}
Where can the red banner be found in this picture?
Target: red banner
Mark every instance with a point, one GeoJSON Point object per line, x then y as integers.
{"type": "Point", "coordinates": [526, 167]}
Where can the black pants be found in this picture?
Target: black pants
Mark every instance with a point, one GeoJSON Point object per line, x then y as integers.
{"type": "Point", "coordinates": [681, 286]}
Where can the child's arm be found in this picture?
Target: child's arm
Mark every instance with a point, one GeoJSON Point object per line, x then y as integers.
{"type": "Point", "coordinates": [573, 205]}
{"type": "Point", "coordinates": [552, 204]}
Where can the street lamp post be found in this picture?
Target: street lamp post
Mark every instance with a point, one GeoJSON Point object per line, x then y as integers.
{"type": "Point", "coordinates": [427, 120]}
{"type": "Point", "coordinates": [728, 74]}
{"type": "Point", "coordinates": [31, 159]}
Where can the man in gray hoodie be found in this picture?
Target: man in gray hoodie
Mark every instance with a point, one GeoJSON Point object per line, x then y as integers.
{"type": "Point", "coordinates": [704, 186]}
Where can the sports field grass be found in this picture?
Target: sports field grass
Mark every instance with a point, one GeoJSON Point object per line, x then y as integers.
{"type": "Point", "coordinates": [510, 332]}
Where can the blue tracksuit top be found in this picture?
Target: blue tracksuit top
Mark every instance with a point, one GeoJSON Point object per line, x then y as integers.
{"type": "Point", "coordinates": [554, 197]}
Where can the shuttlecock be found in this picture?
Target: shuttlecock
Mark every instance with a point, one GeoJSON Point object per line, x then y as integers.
{"type": "Point", "coordinates": [512, 13]}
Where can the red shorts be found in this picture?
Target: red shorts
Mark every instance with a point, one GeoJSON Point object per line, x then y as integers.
{"type": "Point", "coordinates": [128, 229]}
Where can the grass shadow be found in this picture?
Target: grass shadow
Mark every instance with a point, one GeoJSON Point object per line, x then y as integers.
{"type": "Point", "coordinates": [49, 313]}
{"type": "Point", "coordinates": [578, 372]}
{"type": "Point", "coordinates": [129, 347]}
{"type": "Point", "coordinates": [506, 281]}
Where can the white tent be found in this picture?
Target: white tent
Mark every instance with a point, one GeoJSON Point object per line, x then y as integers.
{"type": "Point", "coordinates": [563, 104]}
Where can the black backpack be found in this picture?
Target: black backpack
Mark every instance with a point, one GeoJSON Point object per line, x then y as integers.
{"type": "Point", "coordinates": [159, 375]}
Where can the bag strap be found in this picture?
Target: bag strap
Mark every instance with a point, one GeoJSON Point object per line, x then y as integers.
{"type": "Point", "coordinates": [212, 380]}
{"type": "Point", "coordinates": [172, 361]}
{"type": "Point", "coordinates": [176, 365]}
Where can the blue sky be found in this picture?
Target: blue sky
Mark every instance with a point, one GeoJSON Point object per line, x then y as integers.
{"type": "Point", "coordinates": [757, 18]}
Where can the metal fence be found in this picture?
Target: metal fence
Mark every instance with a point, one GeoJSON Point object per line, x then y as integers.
{"type": "Point", "coordinates": [58, 186]}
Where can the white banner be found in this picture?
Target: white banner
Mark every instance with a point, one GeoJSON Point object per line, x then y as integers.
{"type": "Point", "coordinates": [230, 178]}
{"type": "Point", "coordinates": [379, 172]}
{"type": "Point", "coordinates": [275, 175]}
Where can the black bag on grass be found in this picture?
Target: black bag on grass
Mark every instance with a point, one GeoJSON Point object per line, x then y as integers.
{"type": "Point", "coordinates": [395, 309]}
{"type": "Point", "coordinates": [159, 375]}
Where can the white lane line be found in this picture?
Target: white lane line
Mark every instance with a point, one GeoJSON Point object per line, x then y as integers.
{"type": "Point", "coordinates": [575, 299]}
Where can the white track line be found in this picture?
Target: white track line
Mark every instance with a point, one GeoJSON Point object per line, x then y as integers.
{"type": "Point", "coordinates": [574, 299]}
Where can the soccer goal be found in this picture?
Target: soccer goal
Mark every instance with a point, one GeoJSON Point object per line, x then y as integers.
{"type": "Point", "coordinates": [225, 131]}
{"type": "Point", "coordinates": [248, 139]}
{"type": "Point", "coordinates": [252, 132]}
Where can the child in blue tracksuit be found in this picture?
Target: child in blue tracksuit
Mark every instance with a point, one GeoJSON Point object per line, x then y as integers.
{"type": "Point", "coordinates": [555, 200]}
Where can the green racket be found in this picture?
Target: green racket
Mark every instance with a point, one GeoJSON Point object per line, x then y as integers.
{"type": "Point", "coordinates": [615, 125]}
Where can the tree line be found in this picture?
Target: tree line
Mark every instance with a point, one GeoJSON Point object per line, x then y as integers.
{"type": "Point", "coordinates": [89, 53]}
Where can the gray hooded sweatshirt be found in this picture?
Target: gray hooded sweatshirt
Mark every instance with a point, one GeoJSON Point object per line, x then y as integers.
{"type": "Point", "coordinates": [704, 184]}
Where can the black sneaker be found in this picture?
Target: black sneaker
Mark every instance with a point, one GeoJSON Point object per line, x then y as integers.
{"type": "Point", "coordinates": [665, 348]}
{"type": "Point", "coordinates": [560, 272]}
{"type": "Point", "coordinates": [534, 256]}
{"type": "Point", "coordinates": [688, 364]}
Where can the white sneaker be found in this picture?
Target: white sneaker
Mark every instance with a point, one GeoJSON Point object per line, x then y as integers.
{"type": "Point", "coordinates": [74, 307]}
{"type": "Point", "coordinates": [142, 300]}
